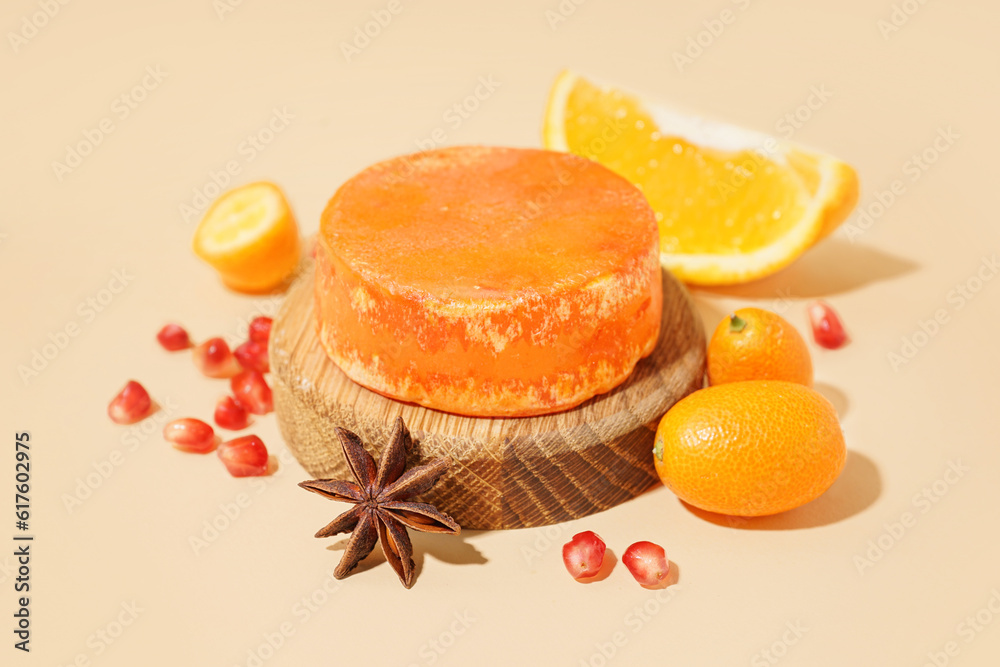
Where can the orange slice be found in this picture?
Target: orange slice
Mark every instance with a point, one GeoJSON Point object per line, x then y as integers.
{"type": "Point", "coordinates": [732, 205]}
{"type": "Point", "coordinates": [250, 237]}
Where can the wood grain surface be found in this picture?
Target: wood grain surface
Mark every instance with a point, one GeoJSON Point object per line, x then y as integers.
{"type": "Point", "coordinates": [505, 472]}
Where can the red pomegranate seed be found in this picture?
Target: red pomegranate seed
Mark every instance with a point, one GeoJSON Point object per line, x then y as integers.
{"type": "Point", "coordinates": [252, 356]}
{"type": "Point", "coordinates": [584, 554]}
{"type": "Point", "coordinates": [260, 329]}
{"type": "Point", "coordinates": [130, 405]}
{"type": "Point", "coordinates": [826, 326]}
{"type": "Point", "coordinates": [252, 392]}
{"type": "Point", "coordinates": [214, 359]}
{"type": "Point", "coordinates": [244, 457]}
{"type": "Point", "coordinates": [190, 435]}
{"type": "Point", "coordinates": [173, 337]}
{"type": "Point", "coordinates": [647, 562]}
{"type": "Point", "coordinates": [230, 414]}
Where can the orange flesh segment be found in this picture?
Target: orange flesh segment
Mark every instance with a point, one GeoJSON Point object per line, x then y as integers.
{"type": "Point", "coordinates": [488, 281]}
{"type": "Point", "coordinates": [250, 237]}
{"type": "Point", "coordinates": [740, 200]}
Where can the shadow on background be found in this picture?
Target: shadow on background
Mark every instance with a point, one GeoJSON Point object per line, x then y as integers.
{"type": "Point", "coordinates": [833, 267]}
{"type": "Point", "coordinates": [453, 549]}
{"type": "Point", "coordinates": [858, 486]}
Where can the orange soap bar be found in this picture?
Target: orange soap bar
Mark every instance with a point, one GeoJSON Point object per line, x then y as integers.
{"type": "Point", "coordinates": [488, 281]}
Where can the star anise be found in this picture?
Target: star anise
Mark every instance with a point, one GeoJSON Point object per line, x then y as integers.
{"type": "Point", "coordinates": [383, 507]}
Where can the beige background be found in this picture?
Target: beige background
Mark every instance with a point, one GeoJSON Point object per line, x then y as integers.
{"type": "Point", "coordinates": [493, 597]}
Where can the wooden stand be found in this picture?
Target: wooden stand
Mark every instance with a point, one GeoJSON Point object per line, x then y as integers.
{"type": "Point", "coordinates": [505, 472]}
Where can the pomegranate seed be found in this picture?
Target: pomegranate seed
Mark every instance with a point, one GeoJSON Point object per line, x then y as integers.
{"type": "Point", "coordinates": [647, 562]}
{"type": "Point", "coordinates": [130, 405]}
{"type": "Point", "coordinates": [826, 326]}
{"type": "Point", "coordinates": [173, 337]}
{"type": "Point", "coordinates": [260, 329]}
{"type": "Point", "coordinates": [230, 414]}
{"type": "Point", "coordinates": [190, 435]}
{"type": "Point", "coordinates": [252, 392]}
{"type": "Point", "coordinates": [244, 457]}
{"type": "Point", "coordinates": [584, 554]}
{"type": "Point", "coordinates": [252, 356]}
{"type": "Point", "coordinates": [214, 359]}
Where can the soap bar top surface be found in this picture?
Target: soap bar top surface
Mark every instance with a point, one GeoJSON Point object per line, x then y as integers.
{"type": "Point", "coordinates": [502, 220]}
{"type": "Point", "coordinates": [488, 281]}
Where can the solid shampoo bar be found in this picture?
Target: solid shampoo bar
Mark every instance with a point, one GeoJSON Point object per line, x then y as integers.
{"type": "Point", "coordinates": [488, 281]}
